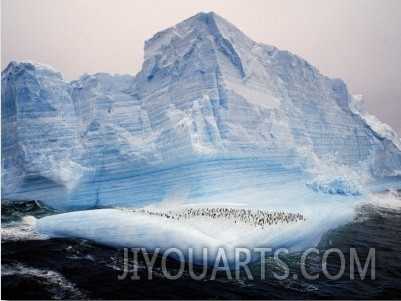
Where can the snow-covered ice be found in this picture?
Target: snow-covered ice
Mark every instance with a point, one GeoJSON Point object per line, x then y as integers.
{"type": "Point", "coordinates": [132, 228]}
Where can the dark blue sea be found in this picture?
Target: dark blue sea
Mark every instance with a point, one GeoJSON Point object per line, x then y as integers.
{"type": "Point", "coordinates": [35, 267]}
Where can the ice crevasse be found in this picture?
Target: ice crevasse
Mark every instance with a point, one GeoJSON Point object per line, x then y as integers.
{"type": "Point", "coordinates": [212, 120]}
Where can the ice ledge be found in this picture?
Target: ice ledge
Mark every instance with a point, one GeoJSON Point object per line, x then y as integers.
{"type": "Point", "coordinates": [37, 69]}
{"type": "Point", "coordinates": [382, 129]}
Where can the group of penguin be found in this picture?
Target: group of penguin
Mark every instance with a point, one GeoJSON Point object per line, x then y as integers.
{"type": "Point", "coordinates": [258, 218]}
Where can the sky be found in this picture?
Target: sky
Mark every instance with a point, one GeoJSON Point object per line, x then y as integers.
{"type": "Point", "coordinates": [356, 40]}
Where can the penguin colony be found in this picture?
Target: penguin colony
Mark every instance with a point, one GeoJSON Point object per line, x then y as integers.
{"type": "Point", "coordinates": [258, 218]}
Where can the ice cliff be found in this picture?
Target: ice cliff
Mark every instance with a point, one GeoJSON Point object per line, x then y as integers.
{"type": "Point", "coordinates": [212, 115]}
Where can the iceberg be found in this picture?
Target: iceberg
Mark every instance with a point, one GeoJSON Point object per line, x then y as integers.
{"type": "Point", "coordinates": [212, 119]}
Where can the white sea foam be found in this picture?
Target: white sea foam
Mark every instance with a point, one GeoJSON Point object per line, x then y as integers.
{"type": "Point", "coordinates": [52, 281]}
{"type": "Point", "coordinates": [390, 199]}
{"type": "Point", "coordinates": [23, 229]}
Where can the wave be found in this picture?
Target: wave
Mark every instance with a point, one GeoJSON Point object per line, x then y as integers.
{"type": "Point", "coordinates": [18, 219]}
{"type": "Point", "coordinates": [55, 284]}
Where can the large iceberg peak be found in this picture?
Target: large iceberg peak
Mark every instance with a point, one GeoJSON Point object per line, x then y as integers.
{"type": "Point", "coordinates": [210, 113]}
{"type": "Point", "coordinates": [204, 32]}
{"type": "Point", "coordinates": [200, 26]}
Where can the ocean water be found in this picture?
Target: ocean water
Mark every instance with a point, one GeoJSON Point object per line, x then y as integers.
{"type": "Point", "coordinates": [36, 267]}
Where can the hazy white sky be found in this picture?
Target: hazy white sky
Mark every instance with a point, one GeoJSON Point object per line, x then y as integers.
{"type": "Point", "coordinates": [356, 40]}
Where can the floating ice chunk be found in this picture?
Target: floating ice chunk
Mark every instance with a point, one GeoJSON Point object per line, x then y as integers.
{"type": "Point", "coordinates": [198, 227]}
{"type": "Point", "coordinates": [339, 186]}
